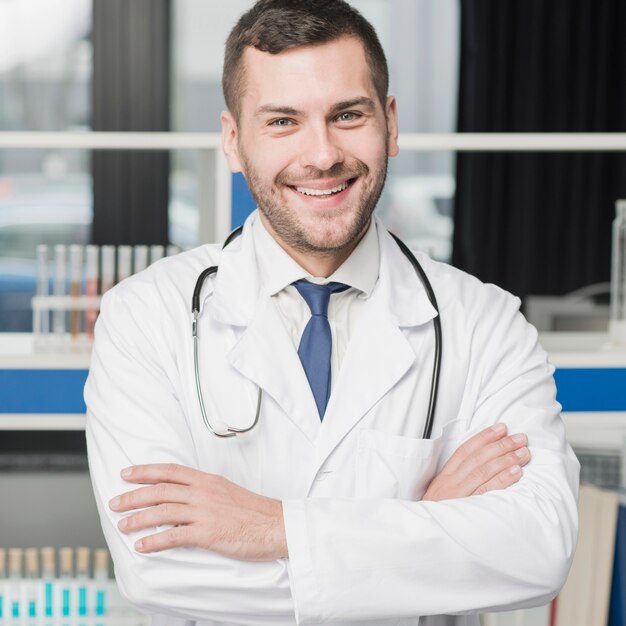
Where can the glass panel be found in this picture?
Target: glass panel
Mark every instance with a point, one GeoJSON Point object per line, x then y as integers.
{"type": "Point", "coordinates": [184, 218]}
{"type": "Point", "coordinates": [45, 195]}
{"type": "Point", "coordinates": [45, 64]}
{"type": "Point", "coordinates": [417, 203]}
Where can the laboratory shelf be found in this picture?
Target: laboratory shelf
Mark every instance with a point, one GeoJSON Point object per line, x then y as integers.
{"type": "Point", "coordinates": [43, 390]}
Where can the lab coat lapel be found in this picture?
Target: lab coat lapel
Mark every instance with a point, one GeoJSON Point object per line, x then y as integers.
{"type": "Point", "coordinates": [379, 353]}
{"type": "Point", "coordinates": [264, 352]}
{"type": "Point", "coordinates": [266, 355]}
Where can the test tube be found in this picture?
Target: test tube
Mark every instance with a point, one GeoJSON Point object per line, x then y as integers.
{"type": "Point", "coordinates": [140, 261]}
{"type": "Point", "coordinates": [15, 576]}
{"type": "Point", "coordinates": [101, 577]}
{"type": "Point", "coordinates": [3, 575]}
{"type": "Point", "coordinates": [60, 277]}
{"type": "Point", "coordinates": [48, 575]}
{"type": "Point", "coordinates": [32, 574]}
{"type": "Point", "coordinates": [172, 250]}
{"type": "Point", "coordinates": [66, 573]}
{"type": "Point", "coordinates": [82, 574]}
{"type": "Point", "coordinates": [124, 262]}
{"type": "Point", "coordinates": [42, 315]}
{"type": "Point", "coordinates": [156, 253]}
{"type": "Point", "coordinates": [76, 276]}
{"type": "Point", "coordinates": [108, 268]}
{"type": "Point", "coordinates": [91, 287]}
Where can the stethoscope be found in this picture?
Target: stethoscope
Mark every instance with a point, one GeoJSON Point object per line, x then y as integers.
{"type": "Point", "coordinates": [221, 429]}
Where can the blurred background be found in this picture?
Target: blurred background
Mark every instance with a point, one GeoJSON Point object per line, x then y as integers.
{"type": "Point", "coordinates": [78, 65]}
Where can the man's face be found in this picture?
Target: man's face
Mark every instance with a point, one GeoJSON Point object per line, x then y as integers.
{"type": "Point", "coordinates": [312, 141]}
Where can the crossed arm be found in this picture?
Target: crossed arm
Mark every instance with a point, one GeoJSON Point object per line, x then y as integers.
{"type": "Point", "coordinates": [477, 538]}
{"type": "Point", "coordinates": [207, 511]}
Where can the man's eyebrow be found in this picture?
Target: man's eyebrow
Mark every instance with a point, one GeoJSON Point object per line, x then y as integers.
{"type": "Point", "coordinates": [276, 109]}
{"type": "Point", "coordinates": [362, 101]}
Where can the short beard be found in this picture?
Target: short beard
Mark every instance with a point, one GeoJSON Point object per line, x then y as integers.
{"type": "Point", "coordinates": [285, 224]}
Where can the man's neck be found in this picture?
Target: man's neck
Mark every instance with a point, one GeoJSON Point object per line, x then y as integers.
{"type": "Point", "coordinates": [317, 264]}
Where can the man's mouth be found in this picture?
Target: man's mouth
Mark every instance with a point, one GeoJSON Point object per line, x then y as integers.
{"type": "Point", "coordinates": [314, 191]}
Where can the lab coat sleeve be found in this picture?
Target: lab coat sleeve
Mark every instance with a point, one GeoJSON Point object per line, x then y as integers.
{"type": "Point", "coordinates": [134, 416]}
{"type": "Point", "coordinates": [508, 549]}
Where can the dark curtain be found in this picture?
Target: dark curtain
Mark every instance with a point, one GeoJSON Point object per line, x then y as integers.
{"type": "Point", "coordinates": [131, 92]}
{"type": "Point", "coordinates": [540, 223]}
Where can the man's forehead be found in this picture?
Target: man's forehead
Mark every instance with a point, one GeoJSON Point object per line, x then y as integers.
{"type": "Point", "coordinates": [300, 72]}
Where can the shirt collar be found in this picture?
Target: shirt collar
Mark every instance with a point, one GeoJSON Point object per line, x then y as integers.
{"type": "Point", "coordinates": [278, 270]}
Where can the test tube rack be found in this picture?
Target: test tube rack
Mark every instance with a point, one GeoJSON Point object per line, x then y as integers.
{"type": "Point", "coordinates": [67, 303]}
{"type": "Point", "coordinates": [68, 595]}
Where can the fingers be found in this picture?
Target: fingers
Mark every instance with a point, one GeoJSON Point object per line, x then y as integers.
{"type": "Point", "coordinates": [171, 538]}
{"type": "Point", "coordinates": [483, 447]}
{"type": "Point", "coordinates": [504, 479]}
{"type": "Point", "coordinates": [160, 515]}
{"type": "Point", "coordinates": [149, 496]}
{"type": "Point", "coordinates": [489, 460]}
{"type": "Point", "coordinates": [474, 444]}
{"type": "Point", "coordinates": [498, 449]}
{"type": "Point", "coordinates": [496, 473]}
{"type": "Point", "coordinates": [160, 473]}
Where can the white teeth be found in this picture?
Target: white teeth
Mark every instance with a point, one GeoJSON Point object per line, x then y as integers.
{"type": "Point", "coordinates": [322, 192]}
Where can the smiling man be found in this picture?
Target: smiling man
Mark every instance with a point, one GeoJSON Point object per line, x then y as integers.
{"type": "Point", "coordinates": [280, 468]}
{"type": "Point", "coordinates": [315, 158]}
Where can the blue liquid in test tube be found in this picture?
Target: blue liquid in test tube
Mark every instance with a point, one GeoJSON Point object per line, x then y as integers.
{"type": "Point", "coordinates": [48, 573]}
{"type": "Point", "coordinates": [66, 572]}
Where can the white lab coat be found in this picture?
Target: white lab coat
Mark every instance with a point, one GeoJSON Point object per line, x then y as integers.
{"type": "Point", "coordinates": [363, 548]}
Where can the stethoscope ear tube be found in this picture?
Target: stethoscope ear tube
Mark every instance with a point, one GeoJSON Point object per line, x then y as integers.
{"type": "Point", "coordinates": [432, 402]}
{"type": "Point", "coordinates": [195, 300]}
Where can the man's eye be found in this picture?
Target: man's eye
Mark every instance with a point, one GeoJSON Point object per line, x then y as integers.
{"type": "Point", "coordinates": [348, 116]}
{"type": "Point", "coordinates": [281, 122]}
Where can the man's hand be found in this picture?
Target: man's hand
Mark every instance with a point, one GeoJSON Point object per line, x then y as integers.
{"type": "Point", "coordinates": [488, 461]}
{"type": "Point", "coordinates": [205, 510]}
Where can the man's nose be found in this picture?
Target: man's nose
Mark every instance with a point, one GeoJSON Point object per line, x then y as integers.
{"type": "Point", "coordinates": [321, 149]}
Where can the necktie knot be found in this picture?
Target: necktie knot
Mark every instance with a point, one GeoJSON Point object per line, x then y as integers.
{"type": "Point", "coordinates": [316, 296]}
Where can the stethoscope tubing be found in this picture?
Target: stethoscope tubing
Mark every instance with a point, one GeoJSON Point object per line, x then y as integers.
{"type": "Point", "coordinates": [230, 431]}
{"type": "Point", "coordinates": [434, 388]}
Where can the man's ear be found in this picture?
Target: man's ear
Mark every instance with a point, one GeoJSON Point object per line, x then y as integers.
{"type": "Point", "coordinates": [391, 112]}
{"type": "Point", "coordinates": [230, 136]}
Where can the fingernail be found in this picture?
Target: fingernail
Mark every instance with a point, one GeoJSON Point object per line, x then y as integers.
{"type": "Point", "coordinates": [519, 438]}
{"type": "Point", "coordinates": [125, 473]}
{"type": "Point", "coordinates": [522, 452]}
{"type": "Point", "coordinates": [122, 523]}
{"type": "Point", "coordinates": [498, 429]}
{"type": "Point", "coordinates": [516, 469]}
{"type": "Point", "coordinates": [115, 502]}
{"type": "Point", "coordinates": [139, 545]}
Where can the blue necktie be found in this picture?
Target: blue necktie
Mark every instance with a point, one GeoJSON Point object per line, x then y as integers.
{"type": "Point", "coordinates": [316, 342]}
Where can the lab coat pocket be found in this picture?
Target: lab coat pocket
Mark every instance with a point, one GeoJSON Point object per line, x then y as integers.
{"type": "Point", "coordinates": [392, 466]}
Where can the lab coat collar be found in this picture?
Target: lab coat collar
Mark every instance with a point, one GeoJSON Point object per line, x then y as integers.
{"type": "Point", "coordinates": [236, 290]}
{"type": "Point", "coordinates": [278, 270]}
{"type": "Point", "coordinates": [399, 290]}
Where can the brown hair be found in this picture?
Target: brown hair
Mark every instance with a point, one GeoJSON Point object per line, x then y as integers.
{"type": "Point", "coordinates": [277, 25]}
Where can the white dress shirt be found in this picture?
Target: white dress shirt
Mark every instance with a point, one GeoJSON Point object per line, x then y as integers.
{"type": "Point", "coordinates": [278, 271]}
